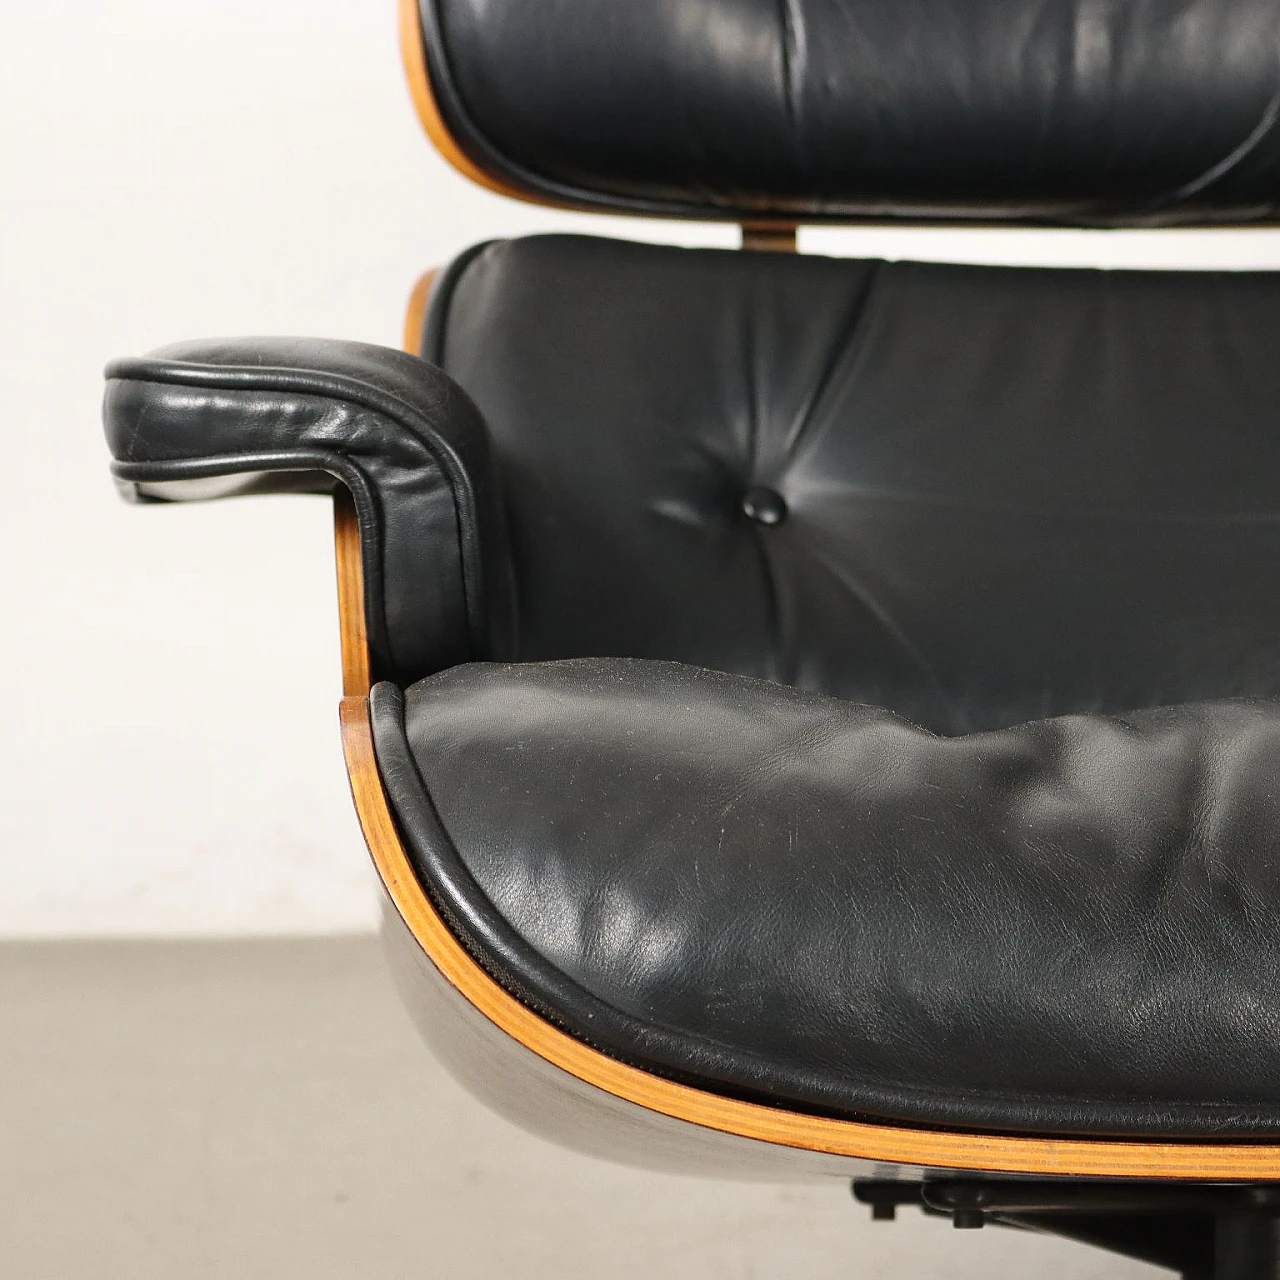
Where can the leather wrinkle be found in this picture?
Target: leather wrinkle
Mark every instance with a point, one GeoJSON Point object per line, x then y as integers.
{"type": "Point", "coordinates": [793, 43]}
{"type": "Point", "coordinates": [843, 351]}
{"type": "Point", "coordinates": [1234, 158]}
{"type": "Point", "coordinates": [844, 348]}
{"type": "Point", "coordinates": [861, 589]}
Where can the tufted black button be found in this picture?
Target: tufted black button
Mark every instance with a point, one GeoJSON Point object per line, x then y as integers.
{"type": "Point", "coordinates": [764, 506]}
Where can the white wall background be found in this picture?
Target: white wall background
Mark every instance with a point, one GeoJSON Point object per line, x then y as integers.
{"type": "Point", "coordinates": [171, 169]}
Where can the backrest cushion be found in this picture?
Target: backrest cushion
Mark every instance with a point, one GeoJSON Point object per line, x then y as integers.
{"type": "Point", "coordinates": [1009, 493]}
{"type": "Point", "coordinates": [1073, 111]}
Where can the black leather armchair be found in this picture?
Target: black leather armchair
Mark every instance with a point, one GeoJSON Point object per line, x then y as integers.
{"type": "Point", "coordinates": [820, 716]}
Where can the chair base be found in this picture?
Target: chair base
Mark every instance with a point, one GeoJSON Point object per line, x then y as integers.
{"type": "Point", "coordinates": [1205, 1232]}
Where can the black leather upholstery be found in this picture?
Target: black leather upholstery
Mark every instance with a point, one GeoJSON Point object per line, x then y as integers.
{"type": "Point", "coordinates": [974, 496]}
{"type": "Point", "coordinates": [219, 417]}
{"type": "Point", "coordinates": [1075, 112]}
{"type": "Point", "coordinates": [1007, 493]}
{"type": "Point", "coordinates": [1068, 926]}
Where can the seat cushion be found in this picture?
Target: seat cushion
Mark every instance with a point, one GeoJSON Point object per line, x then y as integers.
{"type": "Point", "coordinates": [1067, 926]}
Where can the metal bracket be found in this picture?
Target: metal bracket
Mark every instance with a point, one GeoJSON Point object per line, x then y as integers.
{"type": "Point", "coordinates": [1202, 1231]}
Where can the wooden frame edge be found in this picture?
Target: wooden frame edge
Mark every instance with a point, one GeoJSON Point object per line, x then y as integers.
{"type": "Point", "coordinates": [1098, 1158]}
{"type": "Point", "coordinates": [353, 634]}
{"type": "Point", "coordinates": [413, 55]}
{"type": "Point", "coordinates": [770, 237]}
{"type": "Point", "coordinates": [415, 312]}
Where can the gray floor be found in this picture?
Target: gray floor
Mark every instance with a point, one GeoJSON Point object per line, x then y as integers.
{"type": "Point", "coordinates": [264, 1109]}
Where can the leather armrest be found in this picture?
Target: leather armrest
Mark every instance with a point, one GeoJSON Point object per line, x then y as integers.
{"type": "Point", "coordinates": [251, 415]}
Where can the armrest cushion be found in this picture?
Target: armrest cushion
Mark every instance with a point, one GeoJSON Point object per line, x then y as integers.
{"type": "Point", "coordinates": [225, 416]}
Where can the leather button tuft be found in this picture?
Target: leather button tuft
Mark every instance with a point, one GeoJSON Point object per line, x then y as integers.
{"type": "Point", "coordinates": [764, 506]}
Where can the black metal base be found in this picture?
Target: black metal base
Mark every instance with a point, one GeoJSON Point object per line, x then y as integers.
{"type": "Point", "coordinates": [1201, 1231]}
